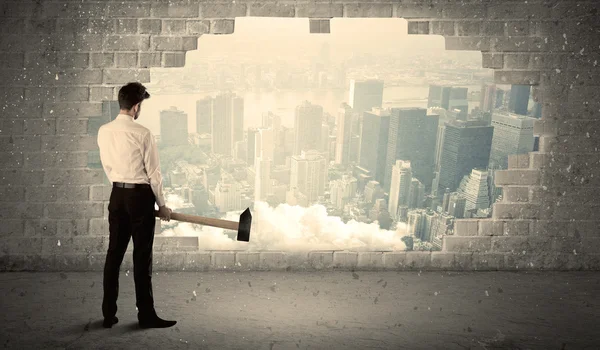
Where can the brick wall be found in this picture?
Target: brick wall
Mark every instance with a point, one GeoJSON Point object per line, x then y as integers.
{"type": "Point", "coordinates": [62, 59]}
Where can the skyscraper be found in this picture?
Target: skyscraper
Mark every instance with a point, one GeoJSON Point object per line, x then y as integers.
{"type": "Point", "coordinates": [264, 144]}
{"type": "Point", "coordinates": [474, 187]}
{"type": "Point", "coordinates": [400, 186]}
{"type": "Point", "coordinates": [448, 97]}
{"type": "Point", "coordinates": [519, 99]}
{"type": "Point", "coordinates": [204, 115]}
{"type": "Point", "coordinates": [228, 194]}
{"type": "Point", "coordinates": [250, 148]}
{"type": "Point", "coordinates": [488, 97]}
{"type": "Point", "coordinates": [416, 194]}
{"type": "Point", "coordinates": [309, 174]}
{"type": "Point", "coordinates": [466, 146]}
{"type": "Point", "coordinates": [307, 127]}
{"type": "Point", "coordinates": [373, 150]}
{"type": "Point", "coordinates": [262, 180]}
{"type": "Point", "coordinates": [457, 205]}
{"type": "Point", "coordinates": [365, 94]}
{"type": "Point", "coordinates": [226, 123]}
{"type": "Point", "coordinates": [513, 134]}
{"type": "Point", "coordinates": [342, 191]}
{"type": "Point", "coordinates": [344, 134]}
{"type": "Point", "coordinates": [412, 136]}
{"type": "Point", "coordinates": [173, 127]}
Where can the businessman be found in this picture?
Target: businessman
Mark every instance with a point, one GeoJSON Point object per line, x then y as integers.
{"type": "Point", "coordinates": [129, 157]}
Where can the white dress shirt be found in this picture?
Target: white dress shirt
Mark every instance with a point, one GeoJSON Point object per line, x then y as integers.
{"type": "Point", "coordinates": [129, 154]}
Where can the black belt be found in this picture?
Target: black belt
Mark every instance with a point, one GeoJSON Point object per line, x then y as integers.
{"type": "Point", "coordinates": [125, 185]}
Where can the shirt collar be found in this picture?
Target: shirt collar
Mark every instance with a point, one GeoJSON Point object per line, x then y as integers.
{"type": "Point", "coordinates": [122, 116]}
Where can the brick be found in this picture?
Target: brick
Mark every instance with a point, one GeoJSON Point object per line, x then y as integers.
{"type": "Point", "coordinates": [518, 161]}
{"type": "Point", "coordinates": [517, 28]}
{"type": "Point", "coordinates": [100, 193]}
{"type": "Point", "coordinates": [126, 42]}
{"type": "Point", "coordinates": [515, 193]}
{"type": "Point", "coordinates": [488, 261]}
{"type": "Point", "coordinates": [226, 10]}
{"type": "Point", "coordinates": [39, 127]}
{"type": "Point", "coordinates": [76, 244]}
{"type": "Point", "coordinates": [510, 11]}
{"type": "Point", "coordinates": [516, 61]}
{"type": "Point", "coordinates": [222, 26]}
{"type": "Point", "coordinates": [73, 176]}
{"type": "Point", "coordinates": [197, 261]}
{"type": "Point", "coordinates": [173, 59]}
{"type": "Point", "coordinates": [102, 60]}
{"type": "Point", "coordinates": [573, 10]}
{"type": "Point", "coordinates": [273, 10]}
{"type": "Point", "coordinates": [74, 210]}
{"type": "Point", "coordinates": [492, 60]}
{"type": "Point", "coordinates": [175, 10]}
{"type": "Point", "coordinates": [418, 27]}
{"type": "Point", "coordinates": [21, 246]}
{"type": "Point", "coordinates": [76, 77]}
{"type": "Point", "coordinates": [70, 142]}
{"type": "Point", "coordinates": [20, 210]}
{"type": "Point", "coordinates": [464, 11]}
{"type": "Point", "coordinates": [149, 26]}
{"type": "Point", "coordinates": [445, 28]}
{"type": "Point", "coordinates": [12, 194]}
{"type": "Point", "coordinates": [40, 193]}
{"type": "Point", "coordinates": [128, 9]}
{"type": "Point", "coordinates": [12, 59]}
{"type": "Point", "coordinates": [320, 26]}
{"type": "Point", "coordinates": [14, 26]}
{"type": "Point", "coordinates": [493, 28]}
{"type": "Point", "coordinates": [247, 260]}
{"type": "Point", "coordinates": [11, 160]}
{"type": "Point", "coordinates": [467, 43]}
{"type": "Point", "coordinates": [11, 127]}
{"type": "Point", "coordinates": [150, 59]}
{"type": "Point", "coordinates": [12, 228]}
{"type": "Point", "coordinates": [71, 126]}
{"type": "Point", "coordinates": [272, 260]}
{"type": "Point", "coordinates": [517, 77]}
{"type": "Point", "coordinates": [536, 194]}
{"type": "Point", "coordinates": [72, 193]}
{"type": "Point", "coordinates": [190, 43]}
{"type": "Point", "coordinates": [465, 227]}
{"type": "Point", "coordinates": [320, 10]}
{"type": "Point", "coordinates": [123, 76]}
{"type": "Point", "coordinates": [37, 160]}
{"type": "Point", "coordinates": [320, 260]}
{"type": "Point", "coordinates": [370, 260]}
{"type": "Point", "coordinates": [516, 211]}
{"type": "Point", "coordinates": [72, 227]}
{"type": "Point", "coordinates": [18, 177]}
{"type": "Point", "coordinates": [169, 261]}
{"type": "Point", "coordinates": [41, 227]}
{"type": "Point", "coordinates": [162, 43]}
{"type": "Point", "coordinates": [101, 93]}
{"type": "Point", "coordinates": [223, 259]}
{"type": "Point", "coordinates": [345, 259]}
{"type": "Point", "coordinates": [126, 26]}
{"type": "Point", "coordinates": [173, 26]}
{"type": "Point", "coordinates": [20, 143]}
{"type": "Point", "coordinates": [517, 227]}
{"type": "Point", "coordinates": [466, 244]}
{"type": "Point", "coordinates": [418, 260]}
{"type": "Point", "coordinates": [72, 94]}
{"type": "Point", "coordinates": [518, 44]}
{"type": "Point", "coordinates": [469, 28]}
{"type": "Point", "coordinates": [197, 27]}
{"type": "Point", "coordinates": [520, 244]}
{"type": "Point", "coordinates": [126, 59]}
{"type": "Point", "coordinates": [98, 26]}
{"type": "Point", "coordinates": [394, 260]}
{"type": "Point", "coordinates": [418, 11]}
{"type": "Point", "coordinates": [75, 25]}
{"type": "Point", "coordinates": [98, 226]}
{"type": "Point", "coordinates": [175, 243]}
{"type": "Point", "coordinates": [488, 227]}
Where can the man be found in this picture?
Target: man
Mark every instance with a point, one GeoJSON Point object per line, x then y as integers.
{"type": "Point", "coordinates": [130, 159]}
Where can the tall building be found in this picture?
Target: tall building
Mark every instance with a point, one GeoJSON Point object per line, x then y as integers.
{"type": "Point", "coordinates": [264, 144]}
{"type": "Point", "coordinates": [228, 194]}
{"type": "Point", "coordinates": [474, 187]}
{"type": "Point", "coordinates": [488, 97]}
{"type": "Point", "coordinates": [204, 115]}
{"type": "Point", "coordinates": [307, 127]}
{"type": "Point", "coordinates": [500, 97]}
{"type": "Point", "coordinates": [344, 134]}
{"type": "Point", "coordinates": [412, 136]}
{"type": "Point", "coordinates": [416, 194]}
{"type": "Point", "coordinates": [173, 127]}
{"type": "Point", "coordinates": [343, 191]}
{"type": "Point", "coordinates": [380, 213]}
{"type": "Point", "coordinates": [519, 99]}
{"type": "Point", "coordinates": [373, 192]}
{"type": "Point", "coordinates": [309, 174]}
{"type": "Point", "coordinates": [513, 134]}
{"type": "Point", "coordinates": [251, 144]}
{"type": "Point", "coordinates": [226, 123]}
{"type": "Point", "coordinates": [365, 94]}
{"type": "Point", "coordinates": [457, 204]}
{"type": "Point", "coordinates": [400, 186]}
{"type": "Point", "coordinates": [262, 179]}
{"type": "Point", "coordinates": [448, 97]}
{"type": "Point", "coordinates": [466, 146]}
{"type": "Point", "coordinates": [373, 150]}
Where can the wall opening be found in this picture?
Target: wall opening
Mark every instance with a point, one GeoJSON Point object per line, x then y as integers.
{"type": "Point", "coordinates": [282, 121]}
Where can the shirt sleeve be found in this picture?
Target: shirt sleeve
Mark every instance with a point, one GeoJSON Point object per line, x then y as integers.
{"type": "Point", "coordinates": [152, 166]}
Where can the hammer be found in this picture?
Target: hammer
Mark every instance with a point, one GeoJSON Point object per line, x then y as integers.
{"type": "Point", "coordinates": [243, 227]}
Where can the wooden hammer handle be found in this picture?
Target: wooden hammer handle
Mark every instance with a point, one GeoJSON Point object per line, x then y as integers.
{"type": "Point", "coordinates": [201, 220]}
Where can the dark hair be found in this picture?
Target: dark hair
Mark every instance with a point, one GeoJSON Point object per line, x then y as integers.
{"type": "Point", "coordinates": [132, 94]}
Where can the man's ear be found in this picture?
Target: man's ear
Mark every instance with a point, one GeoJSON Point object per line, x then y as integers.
{"type": "Point", "coordinates": [136, 107]}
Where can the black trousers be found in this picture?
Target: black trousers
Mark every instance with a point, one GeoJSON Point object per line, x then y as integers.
{"type": "Point", "coordinates": [130, 214]}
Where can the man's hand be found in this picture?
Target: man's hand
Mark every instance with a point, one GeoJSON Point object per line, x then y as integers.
{"type": "Point", "coordinates": [164, 213]}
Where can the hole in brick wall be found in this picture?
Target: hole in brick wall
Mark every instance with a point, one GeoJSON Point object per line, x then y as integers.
{"type": "Point", "coordinates": [257, 118]}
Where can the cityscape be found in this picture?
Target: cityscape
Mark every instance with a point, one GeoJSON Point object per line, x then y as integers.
{"type": "Point", "coordinates": [397, 150]}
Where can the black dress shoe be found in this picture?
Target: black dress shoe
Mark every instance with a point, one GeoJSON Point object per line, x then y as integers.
{"type": "Point", "coordinates": [108, 323]}
{"type": "Point", "coordinates": [156, 322]}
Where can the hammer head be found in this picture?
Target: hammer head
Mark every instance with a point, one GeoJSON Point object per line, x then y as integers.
{"type": "Point", "coordinates": [244, 226]}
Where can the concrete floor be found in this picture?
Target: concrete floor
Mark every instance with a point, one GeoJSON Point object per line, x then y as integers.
{"type": "Point", "coordinates": [301, 310]}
